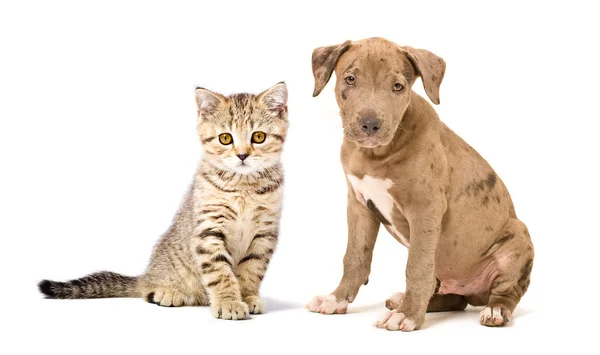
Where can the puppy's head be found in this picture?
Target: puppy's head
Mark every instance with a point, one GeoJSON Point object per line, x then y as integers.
{"type": "Point", "coordinates": [373, 86]}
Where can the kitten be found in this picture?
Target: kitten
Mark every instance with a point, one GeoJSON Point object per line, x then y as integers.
{"type": "Point", "coordinates": [218, 247]}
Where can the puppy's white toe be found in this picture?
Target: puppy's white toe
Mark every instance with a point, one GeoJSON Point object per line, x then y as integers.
{"type": "Point", "coordinates": [327, 305]}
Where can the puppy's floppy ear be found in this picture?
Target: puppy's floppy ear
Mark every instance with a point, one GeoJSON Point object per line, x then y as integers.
{"type": "Point", "coordinates": [324, 60]}
{"type": "Point", "coordinates": [275, 98]}
{"type": "Point", "coordinates": [208, 101]}
{"type": "Point", "coordinates": [430, 68]}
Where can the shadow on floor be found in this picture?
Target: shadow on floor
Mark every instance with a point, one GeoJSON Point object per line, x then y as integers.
{"type": "Point", "coordinates": [368, 308]}
{"type": "Point", "coordinates": [276, 305]}
{"type": "Point", "coordinates": [432, 319]}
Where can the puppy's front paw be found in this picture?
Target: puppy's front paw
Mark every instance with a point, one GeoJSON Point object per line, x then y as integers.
{"type": "Point", "coordinates": [495, 316]}
{"type": "Point", "coordinates": [255, 304]}
{"type": "Point", "coordinates": [394, 301]}
{"type": "Point", "coordinates": [327, 305]}
{"type": "Point", "coordinates": [235, 310]}
{"type": "Point", "coordinates": [395, 320]}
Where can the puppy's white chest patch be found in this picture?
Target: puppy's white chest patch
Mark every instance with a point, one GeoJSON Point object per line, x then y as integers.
{"type": "Point", "coordinates": [373, 193]}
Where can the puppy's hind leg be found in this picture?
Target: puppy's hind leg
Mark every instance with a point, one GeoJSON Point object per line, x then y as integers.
{"type": "Point", "coordinates": [514, 253]}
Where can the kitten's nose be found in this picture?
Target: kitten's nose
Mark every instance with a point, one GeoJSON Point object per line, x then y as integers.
{"type": "Point", "coordinates": [242, 156]}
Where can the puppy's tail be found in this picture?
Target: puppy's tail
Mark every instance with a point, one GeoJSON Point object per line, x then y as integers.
{"type": "Point", "coordinates": [102, 284]}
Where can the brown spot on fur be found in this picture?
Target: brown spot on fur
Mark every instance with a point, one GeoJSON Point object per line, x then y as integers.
{"type": "Point", "coordinates": [343, 94]}
{"type": "Point", "coordinates": [491, 180]}
{"type": "Point", "coordinates": [455, 243]}
{"type": "Point", "coordinates": [486, 200]}
{"type": "Point", "coordinates": [475, 188]}
{"type": "Point", "coordinates": [525, 273]}
{"type": "Point", "coordinates": [431, 166]}
{"type": "Point", "coordinates": [489, 228]}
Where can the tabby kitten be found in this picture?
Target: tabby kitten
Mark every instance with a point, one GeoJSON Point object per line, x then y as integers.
{"type": "Point", "coordinates": [218, 247]}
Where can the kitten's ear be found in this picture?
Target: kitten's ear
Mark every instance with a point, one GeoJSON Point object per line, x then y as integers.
{"type": "Point", "coordinates": [208, 101]}
{"type": "Point", "coordinates": [275, 99]}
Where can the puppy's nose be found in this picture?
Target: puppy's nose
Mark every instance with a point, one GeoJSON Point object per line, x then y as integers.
{"type": "Point", "coordinates": [242, 156]}
{"type": "Point", "coordinates": [370, 125]}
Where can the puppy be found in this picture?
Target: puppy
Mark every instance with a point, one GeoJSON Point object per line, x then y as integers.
{"type": "Point", "coordinates": [407, 171]}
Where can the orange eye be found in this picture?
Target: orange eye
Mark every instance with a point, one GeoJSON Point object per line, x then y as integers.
{"type": "Point", "coordinates": [350, 80]}
{"type": "Point", "coordinates": [225, 138]}
{"type": "Point", "coordinates": [258, 137]}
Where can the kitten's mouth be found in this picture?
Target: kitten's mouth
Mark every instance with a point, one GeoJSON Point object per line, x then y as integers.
{"type": "Point", "coordinates": [243, 167]}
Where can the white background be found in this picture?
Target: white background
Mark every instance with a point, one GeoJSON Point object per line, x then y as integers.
{"type": "Point", "coordinates": [98, 145]}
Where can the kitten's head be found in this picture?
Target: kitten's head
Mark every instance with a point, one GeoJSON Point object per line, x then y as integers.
{"type": "Point", "coordinates": [243, 132]}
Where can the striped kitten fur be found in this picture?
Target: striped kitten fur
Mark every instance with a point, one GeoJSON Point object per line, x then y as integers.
{"type": "Point", "coordinates": [218, 247]}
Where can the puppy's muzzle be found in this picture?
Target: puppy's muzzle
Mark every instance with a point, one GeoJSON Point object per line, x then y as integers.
{"type": "Point", "coordinates": [370, 124]}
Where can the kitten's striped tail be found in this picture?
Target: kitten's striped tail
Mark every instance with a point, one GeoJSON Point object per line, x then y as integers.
{"type": "Point", "coordinates": [103, 284]}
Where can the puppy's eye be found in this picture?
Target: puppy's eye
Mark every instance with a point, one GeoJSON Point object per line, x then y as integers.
{"type": "Point", "coordinates": [258, 137]}
{"type": "Point", "coordinates": [225, 138]}
{"type": "Point", "coordinates": [350, 80]}
{"type": "Point", "coordinates": [398, 87]}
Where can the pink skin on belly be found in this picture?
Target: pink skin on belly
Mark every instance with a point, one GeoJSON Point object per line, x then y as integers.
{"type": "Point", "coordinates": [480, 280]}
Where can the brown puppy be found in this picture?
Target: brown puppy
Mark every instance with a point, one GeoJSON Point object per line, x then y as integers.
{"type": "Point", "coordinates": [435, 194]}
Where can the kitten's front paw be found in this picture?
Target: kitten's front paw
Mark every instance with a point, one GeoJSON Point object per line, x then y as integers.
{"type": "Point", "coordinates": [235, 310]}
{"type": "Point", "coordinates": [255, 304]}
{"type": "Point", "coordinates": [327, 305]}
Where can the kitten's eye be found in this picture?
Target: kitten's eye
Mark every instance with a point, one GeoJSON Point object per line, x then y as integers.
{"type": "Point", "coordinates": [398, 87]}
{"type": "Point", "coordinates": [350, 80]}
{"type": "Point", "coordinates": [258, 137]}
{"type": "Point", "coordinates": [225, 138]}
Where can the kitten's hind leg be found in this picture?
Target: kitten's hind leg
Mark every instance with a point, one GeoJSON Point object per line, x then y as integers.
{"type": "Point", "coordinates": [166, 297]}
{"type": "Point", "coordinates": [168, 289]}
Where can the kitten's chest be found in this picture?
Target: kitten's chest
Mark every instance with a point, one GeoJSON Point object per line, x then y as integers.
{"type": "Point", "coordinates": [244, 229]}
{"type": "Point", "coordinates": [251, 218]}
